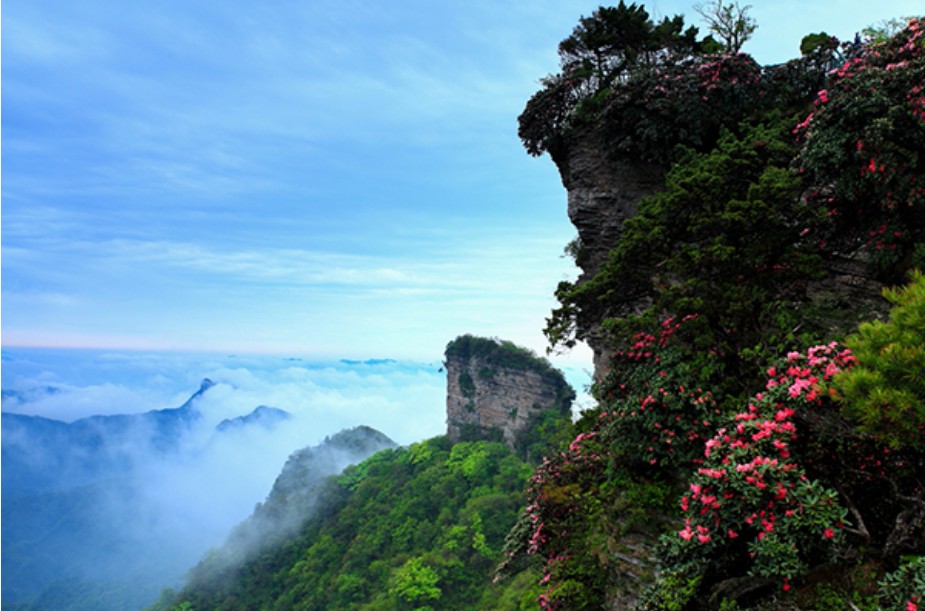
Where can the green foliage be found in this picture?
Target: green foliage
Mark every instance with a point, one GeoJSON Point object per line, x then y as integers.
{"type": "Point", "coordinates": [612, 484]}
{"type": "Point", "coordinates": [819, 42]}
{"type": "Point", "coordinates": [904, 588]}
{"type": "Point", "coordinates": [686, 103]}
{"type": "Point", "coordinates": [354, 474]}
{"type": "Point", "coordinates": [613, 40]}
{"type": "Point", "coordinates": [603, 51]}
{"type": "Point", "coordinates": [722, 241]}
{"type": "Point", "coordinates": [500, 354]}
{"type": "Point", "coordinates": [415, 583]}
{"type": "Point", "coordinates": [884, 30]}
{"type": "Point", "coordinates": [470, 431]}
{"type": "Point", "coordinates": [466, 385]}
{"type": "Point", "coordinates": [676, 586]}
{"type": "Point", "coordinates": [885, 393]}
{"type": "Point", "coordinates": [548, 431]}
{"type": "Point", "coordinates": [750, 508]}
{"type": "Point", "coordinates": [657, 403]}
{"type": "Point", "coordinates": [865, 150]}
{"type": "Point", "coordinates": [830, 598]}
{"type": "Point", "coordinates": [412, 528]}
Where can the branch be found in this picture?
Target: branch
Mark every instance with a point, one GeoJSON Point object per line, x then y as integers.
{"type": "Point", "coordinates": [861, 529]}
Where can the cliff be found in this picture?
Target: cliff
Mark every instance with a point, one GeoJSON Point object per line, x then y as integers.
{"type": "Point", "coordinates": [605, 191]}
{"type": "Point", "coordinates": [497, 390]}
{"type": "Point", "coordinates": [602, 195]}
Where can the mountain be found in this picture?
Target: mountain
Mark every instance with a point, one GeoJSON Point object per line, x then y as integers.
{"type": "Point", "coordinates": [748, 238]}
{"type": "Point", "coordinates": [262, 415]}
{"type": "Point", "coordinates": [408, 527]}
{"type": "Point", "coordinates": [41, 455]}
{"type": "Point", "coordinates": [96, 506]}
{"type": "Point", "coordinates": [295, 495]}
{"type": "Point", "coordinates": [416, 527]}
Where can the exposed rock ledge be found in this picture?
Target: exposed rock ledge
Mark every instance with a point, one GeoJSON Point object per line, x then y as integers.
{"type": "Point", "coordinates": [602, 195]}
{"type": "Point", "coordinates": [496, 389]}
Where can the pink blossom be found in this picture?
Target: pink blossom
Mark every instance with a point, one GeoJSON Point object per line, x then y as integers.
{"type": "Point", "coordinates": [798, 386]}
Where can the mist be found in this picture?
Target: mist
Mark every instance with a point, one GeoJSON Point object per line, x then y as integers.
{"type": "Point", "coordinates": [99, 491]}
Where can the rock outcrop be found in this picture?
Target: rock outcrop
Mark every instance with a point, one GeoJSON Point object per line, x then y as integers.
{"type": "Point", "coordinates": [496, 390]}
{"type": "Point", "coordinates": [602, 195]}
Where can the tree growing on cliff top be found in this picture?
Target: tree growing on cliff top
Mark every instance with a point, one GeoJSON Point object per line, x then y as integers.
{"type": "Point", "coordinates": [603, 50]}
{"type": "Point", "coordinates": [730, 22]}
{"type": "Point", "coordinates": [613, 40]}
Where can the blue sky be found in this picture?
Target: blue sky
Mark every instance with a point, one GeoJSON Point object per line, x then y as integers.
{"type": "Point", "coordinates": [336, 178]}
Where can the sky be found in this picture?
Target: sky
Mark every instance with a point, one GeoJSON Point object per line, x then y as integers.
{"type": "Point", "coordinates": [331, 178]}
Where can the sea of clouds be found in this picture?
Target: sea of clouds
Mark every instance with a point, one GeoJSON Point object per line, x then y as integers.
{"type": "Point", "coordinates": [184, 502]}
{"type": "Point", "coordinates": [403, 399]}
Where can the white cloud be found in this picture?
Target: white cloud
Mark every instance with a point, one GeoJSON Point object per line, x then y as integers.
{"type": "Point", "coordinates": [323, 397]}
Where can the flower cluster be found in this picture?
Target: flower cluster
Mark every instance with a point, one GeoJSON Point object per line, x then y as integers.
{"type": "Point", "coordinates": [654, 404]}
{"type": "Point", "coordinates": [725, 72]}
{"type": "Point", "coordinates": [751, 494]}
{"type": "Point", "coordinates": [916, 98]}
{"type": "Point", "coordinates": [871, 116]}
{"type": "Point", "coordinates": [556, 514]}
{"type": "Point", "coordinates": [650, 413]}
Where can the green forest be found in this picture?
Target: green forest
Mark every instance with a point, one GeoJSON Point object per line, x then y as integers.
{"type": "Point", "coordinates": [758, 438]}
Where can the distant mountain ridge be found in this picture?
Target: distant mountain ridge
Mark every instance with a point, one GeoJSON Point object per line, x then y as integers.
{"type": "Point", "coordinates": [262, 415]}
{"type": "Point", "coordinates": [71, 493]}
{"type": "Point", "coordinates": [296, 494]}
{"type": "Point", "coordinates": [43, 455]}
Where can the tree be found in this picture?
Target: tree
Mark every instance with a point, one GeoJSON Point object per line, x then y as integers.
{"type": "Point", "coordinates": [885, 392]}
{"type": "Point", "coordinates": [415, 582]}
{"type": "Point", "coordinates": [602, 53]}
{"type": "Point", "coordinates": [728, 21]}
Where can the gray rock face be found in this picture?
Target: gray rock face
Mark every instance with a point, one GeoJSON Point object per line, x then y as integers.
{"type": "Point", "coordinates": [602, 195]}
{"type": "Point", "coordinates": [495, 387]}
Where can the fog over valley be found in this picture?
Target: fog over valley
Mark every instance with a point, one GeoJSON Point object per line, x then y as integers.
{"type": "Point", "coordinates": [120, 470]}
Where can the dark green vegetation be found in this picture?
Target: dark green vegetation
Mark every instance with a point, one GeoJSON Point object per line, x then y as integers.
{"type": "Point", "coordinates": [758, 439]}
{"type": "Point", "coordinates": [420, 527]}
{"type": "Point", "coordinates": [780, 468]}
{"type": "Point", "coordinates": [295, 495]}
{"type": "Point", "coordinates": [501, 354]}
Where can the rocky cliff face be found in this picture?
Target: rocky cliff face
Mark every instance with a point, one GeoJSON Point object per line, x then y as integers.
{"type": "Point", "coordinates": [602, 195]}
{"type": "Point", "coordinates": [496, 390]}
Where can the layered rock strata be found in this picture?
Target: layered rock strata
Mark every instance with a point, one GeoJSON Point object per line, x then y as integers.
{"type": "Point", "coordinates": [602, 195]}
{"type": "Point", "coordinates": [496, 389]}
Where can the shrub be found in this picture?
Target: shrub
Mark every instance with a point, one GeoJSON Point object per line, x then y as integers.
{"type": "Point", "coordinates": [751, 509]}
{"type": "Point", "coordinates": [865, 150]}
{"type": "Point", "coordinates": [904, 588]}
{"type": "Point", "coordinates": [885, 393]}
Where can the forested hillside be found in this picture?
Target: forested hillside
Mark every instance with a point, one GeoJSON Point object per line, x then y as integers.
{"type": "Point", "coordinates": [418, 527]}
{"type": "Point", "coordinates": [759, 331]}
